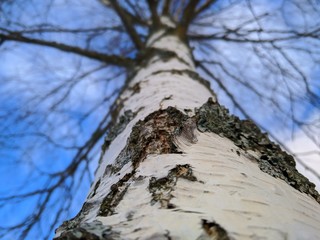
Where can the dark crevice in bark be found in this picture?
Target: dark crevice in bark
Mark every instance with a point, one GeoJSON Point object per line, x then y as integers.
{"type": "Point", "coordinates": [161, 188]}
{"type": "Point", "coordinates": [117, 129]}
{"type": "Point", "coordinates": [95, 188]}
{"type": "Point", "coordinates": [213, 117]}
{"type": "Point", "coordinates": [213, 230]}
{"type": "Point", "coordinates": [165, 99]}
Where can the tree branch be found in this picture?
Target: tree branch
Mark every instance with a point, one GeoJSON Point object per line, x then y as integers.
{"type": "Point", "coordinates": [187, 16]}
{"type": "Point", "coordinates": [204, 6]}
{"type": "Point", "coordinates": [110, 59]}
{"type": "Point", "coordinates": [127, 24]}
{"type": "Point", "coordinates": [166, 7]}
{"type": "Point", "coordinates": [154, 15]}
{"type": "Point", "coordinates": [138, 17]}
{"type": "Point", "coordinates": [222, 86]}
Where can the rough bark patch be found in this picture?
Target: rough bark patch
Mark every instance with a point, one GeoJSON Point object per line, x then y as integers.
{"type": "Point", "coordinates": [77, 233]}
{"type": "Point", "coordinates": [153, 135]}
{"type": "Point", "coordinates": [161, 188]}
{"type": "Point", "coordinates": [76, 221]}
{"type": "Point", "coordinates": [213, 117]}
{"type": "Point", "coordinates": [90, 231]}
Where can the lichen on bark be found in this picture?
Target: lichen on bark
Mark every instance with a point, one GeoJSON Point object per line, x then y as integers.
{"type": "Point", "coordinates": [157, 132]}
{"type": "Point", "coordinates": [212, 117]}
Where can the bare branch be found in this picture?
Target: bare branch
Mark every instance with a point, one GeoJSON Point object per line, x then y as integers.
{"type": "Point", "coordinates": [188, 15]}
{"type": "Point", "coordinates": [166, 7]}
{"type": "Point", "coordinates": [154, 15]}
{"type": "Point", "coordinates": [204, 6]}
{"type": "Point", "coordinates": [110, 59]}
{"type": "Point", "coordinates": [128, 26]}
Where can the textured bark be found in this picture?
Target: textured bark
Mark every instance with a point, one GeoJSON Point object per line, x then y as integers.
{"type": "Point", "coordinates": [178, 166]}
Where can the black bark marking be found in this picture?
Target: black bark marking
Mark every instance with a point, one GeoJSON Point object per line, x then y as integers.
{"type": "Point", "coordinates": [165, 99]}
{"type": "Point", "coordinates": [130, 215]}
{"type": "Point", "coordinates": [117, 129]}
{"type": "Point", "coordinates": [161, 188]}
{"type": "Point", "coordinates": [95, 188]}
{"type": "Point", "coordinates": [214, 230]}
{"type": "Point", "coordinates": [212, 117]}
{"type": "Point", "coordinates": [135, 88]}
{"type": "Point", "coordinates": [115, 195]}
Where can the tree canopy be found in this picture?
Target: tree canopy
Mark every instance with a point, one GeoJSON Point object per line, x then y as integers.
{"type": "Point", "coordinates": [64, 63]}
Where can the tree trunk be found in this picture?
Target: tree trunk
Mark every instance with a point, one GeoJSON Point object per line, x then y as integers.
{"type": "Point", "coordinates": [179, 166]}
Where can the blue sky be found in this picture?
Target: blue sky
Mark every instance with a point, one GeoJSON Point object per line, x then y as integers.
{"type": "Point", "coordinates": [28, 74]}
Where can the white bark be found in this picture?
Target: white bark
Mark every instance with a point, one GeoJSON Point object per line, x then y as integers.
{"type": "Point", "coordinates": [230, 189]}
{"type": "Point", "coordinates": [218, 186]}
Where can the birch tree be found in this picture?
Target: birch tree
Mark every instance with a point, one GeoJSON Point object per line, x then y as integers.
{"type": "Point", "coordinates": [175, 164]}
